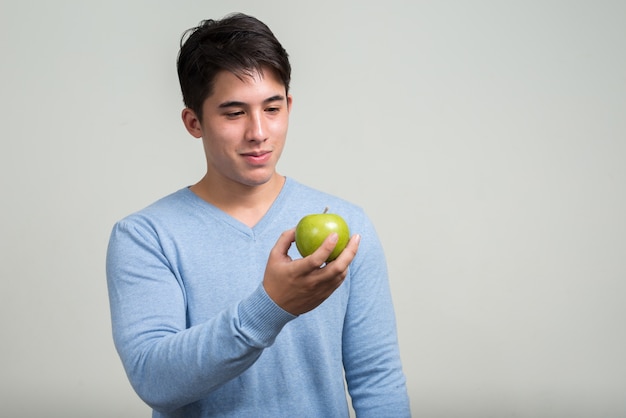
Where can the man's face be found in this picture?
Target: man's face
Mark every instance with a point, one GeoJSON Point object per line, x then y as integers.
{"type": "Point", "coordinates": [244, 127]}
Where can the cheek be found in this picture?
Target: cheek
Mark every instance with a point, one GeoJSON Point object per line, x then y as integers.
{"type": "Point", "coordinates": [280, 128]}
{"type": "Point", "coordinates": [216, 148]}
{"type": "Point", "coordinates": [222, 137]}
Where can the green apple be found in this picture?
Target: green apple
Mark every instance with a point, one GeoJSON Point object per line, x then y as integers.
{"type": "Point", "coordinates": [313, 229]}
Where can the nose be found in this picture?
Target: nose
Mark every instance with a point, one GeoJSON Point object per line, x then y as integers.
{"type": "Point", "coordinates": [256, 130]}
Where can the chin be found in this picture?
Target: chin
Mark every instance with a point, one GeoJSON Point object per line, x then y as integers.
{"type": "Point", "coordinates": [254, 181]}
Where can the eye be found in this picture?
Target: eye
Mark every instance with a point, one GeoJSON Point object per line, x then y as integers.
{"type": "Point", "coordinates": [273, 109]}
{"type": "Point", "coordinates": [234, 114]}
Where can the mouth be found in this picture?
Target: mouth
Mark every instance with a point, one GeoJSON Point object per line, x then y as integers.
{"type": "Point", "coordinates": [257, 157]}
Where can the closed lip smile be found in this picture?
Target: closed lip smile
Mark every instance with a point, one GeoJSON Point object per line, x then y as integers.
{"type": "Point", "coordinates": [255, 153]}
{"type": "Point", "coordinates": [257, 158]}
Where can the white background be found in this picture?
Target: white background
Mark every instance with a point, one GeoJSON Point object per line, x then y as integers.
{"type": "Point", "coordinates": [486, 140]}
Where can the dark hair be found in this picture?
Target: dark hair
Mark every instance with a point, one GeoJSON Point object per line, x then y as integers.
{"type": "Point", "coordinates": [237, 43]}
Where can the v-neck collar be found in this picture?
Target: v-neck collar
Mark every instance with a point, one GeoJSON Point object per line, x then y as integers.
{"type": "Point", "coordinates": [219, 214]}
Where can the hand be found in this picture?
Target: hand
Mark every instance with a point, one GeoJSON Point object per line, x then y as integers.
{"type": "Point", "coordinates": [302, 285]}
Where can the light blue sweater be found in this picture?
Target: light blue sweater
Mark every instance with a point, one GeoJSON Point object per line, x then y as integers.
{"type": "Point", "coordinates": [199, 337]}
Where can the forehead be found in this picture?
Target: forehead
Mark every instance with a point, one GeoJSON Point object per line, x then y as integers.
{"type": "Point", "coordinates": [252, 84]}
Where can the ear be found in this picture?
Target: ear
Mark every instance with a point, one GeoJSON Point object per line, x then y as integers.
{"type": "Point", "coordinates": [289, 102]}
{"type": "Point", "coordinates": [192, 123]}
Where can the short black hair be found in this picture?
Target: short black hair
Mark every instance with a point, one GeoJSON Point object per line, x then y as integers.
{"type": "Point", "coordinates": [237, 43]}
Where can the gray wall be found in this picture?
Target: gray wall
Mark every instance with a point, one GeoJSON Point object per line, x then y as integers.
{"type": "Point", "coordinates": [486, 139]}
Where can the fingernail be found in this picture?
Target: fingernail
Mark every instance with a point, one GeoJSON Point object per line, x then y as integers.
{"type": "Point", "coordinates": [334, 237]}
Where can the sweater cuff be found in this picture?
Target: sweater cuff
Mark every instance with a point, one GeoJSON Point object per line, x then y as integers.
{"type": "Point", "coordinates": [261, 319]}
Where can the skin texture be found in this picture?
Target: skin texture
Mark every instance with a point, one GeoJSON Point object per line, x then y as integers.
{"type": "Point", "coordinates": [243, 130]}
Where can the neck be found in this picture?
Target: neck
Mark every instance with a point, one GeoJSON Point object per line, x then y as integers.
{"type": "Point", "coordinates": [247, 204]}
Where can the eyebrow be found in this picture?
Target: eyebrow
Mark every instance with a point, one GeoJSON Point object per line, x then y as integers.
{"type": "Point", "coordinates": [235, 103]}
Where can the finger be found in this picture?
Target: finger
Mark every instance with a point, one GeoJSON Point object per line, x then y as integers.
{"type": "Point", "coordinates": [348, 253]}
{"type": "Point", "coordinates": [319, 257]}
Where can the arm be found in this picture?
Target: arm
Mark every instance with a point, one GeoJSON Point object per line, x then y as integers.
{"type": "Point", "coordinates": [370, 348]}
{"type": "Point", "coordinates": [168, 364]}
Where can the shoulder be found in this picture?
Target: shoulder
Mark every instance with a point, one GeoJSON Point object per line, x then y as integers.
{"type": "Point", "coordinates": [164, 211]}
{"type": "Point", "coordinates": [306, 200]}
{"type": "Point", "coordinates": [318, 200]}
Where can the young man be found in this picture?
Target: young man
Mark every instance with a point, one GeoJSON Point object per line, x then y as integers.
{"type": "Point", "coordinates": [214, 312]}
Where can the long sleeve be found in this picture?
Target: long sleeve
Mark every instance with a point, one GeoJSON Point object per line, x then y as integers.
{"type": "Point", "coordinates": [370, 350]}
{"type": "Point", "coordinates": [168, 363]}
{"type": "Point", "coordinates": [199, 336]}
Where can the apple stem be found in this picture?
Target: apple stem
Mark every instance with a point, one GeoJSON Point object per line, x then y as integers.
{"type": "Point", "coordinates": [325, 209]}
